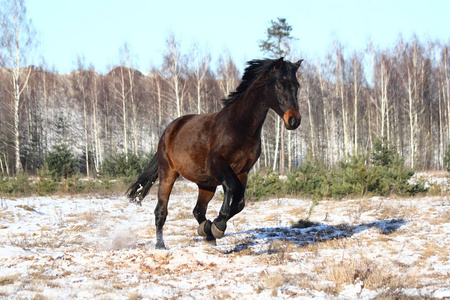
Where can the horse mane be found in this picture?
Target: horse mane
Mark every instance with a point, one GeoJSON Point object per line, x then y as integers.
{"type": "Point", "coordinates": [255, 69]}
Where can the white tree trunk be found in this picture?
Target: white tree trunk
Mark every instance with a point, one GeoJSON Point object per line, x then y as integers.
{"type": "Point", "coordinates": [18, 164]}
{"type": "Point", "coordinates": [411, 121]}
{"type": "Point", "coordinates": [355, 106]}
{"type": "Point", "coordinates": [277, 144]}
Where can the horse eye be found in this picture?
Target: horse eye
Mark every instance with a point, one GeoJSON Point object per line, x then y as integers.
{"type": "Point", "coordinates": [278, 86]}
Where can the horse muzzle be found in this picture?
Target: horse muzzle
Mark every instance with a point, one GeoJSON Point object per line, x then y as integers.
{"type": "Point", "coordinates": [292, 119]}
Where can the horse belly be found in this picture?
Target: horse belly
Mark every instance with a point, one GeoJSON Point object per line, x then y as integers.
{"type": "Point", "coordinates": [188, 147]}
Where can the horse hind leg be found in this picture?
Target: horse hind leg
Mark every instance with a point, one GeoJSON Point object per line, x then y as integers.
{"type": "Point", "coordinates": [165, 187]}
{"type": "Point", "coordinates": [204, 197]}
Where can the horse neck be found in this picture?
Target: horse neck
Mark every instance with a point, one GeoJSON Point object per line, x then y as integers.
{"type": "Point", "coordinates": [250, 111]}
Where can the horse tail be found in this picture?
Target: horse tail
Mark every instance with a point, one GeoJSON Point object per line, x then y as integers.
{"type": "Point", "coordinates": [138, 190]}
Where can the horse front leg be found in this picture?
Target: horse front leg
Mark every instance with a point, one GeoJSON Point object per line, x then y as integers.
{"type": "Point", "coordinates": [238, 203]}
{"type": "Point", "coordinates": [232, 187]}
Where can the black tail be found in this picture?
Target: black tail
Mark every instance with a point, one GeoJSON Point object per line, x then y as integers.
{"type": "Point", "coordinates": [138, 190]}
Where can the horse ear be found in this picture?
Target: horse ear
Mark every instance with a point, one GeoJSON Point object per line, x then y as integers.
{"type": "Point", "coordinates": [297, 64]}
{"type": "Point", "coordinates": [278, 64]}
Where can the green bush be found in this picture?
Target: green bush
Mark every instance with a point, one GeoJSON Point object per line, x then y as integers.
{"type": "Point", "coordinates": [349, 177]}
{"type": "Point", "coordinates": [310, 179]}
{"type": "Point", "coordinates": [19, 185]}
{"type": "Point", "coordinates": [61, 162]}
{"type": "Point", "coordinates": [259, 186]}
{"type": "Point", "coordinates": [394, 175]}
{"type": "Point", "coordinates": [116, 165]}
{"type": "Point", "coordinates": [46, 185]}
{"type": "Point", "coordinates": [386, 174]}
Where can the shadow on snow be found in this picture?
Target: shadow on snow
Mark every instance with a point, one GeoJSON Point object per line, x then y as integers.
{"type": "Point", "coordinates": [314, 234]}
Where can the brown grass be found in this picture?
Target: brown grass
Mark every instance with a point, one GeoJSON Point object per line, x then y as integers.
{"type": "Point", "coordinates": [43, 239]}
{"type": "Point", "coordinates": [432, 249]}
{"type": "Point", "coordinates": [274, 281]}
{"type": "Point", "coordinates": [25, 207]}
{"type": "Point", "coordinates": [88, 217]}
{"type": "Point", "coordinates": [370, 274]}
{"type": "Point", "coordinates": [9, 279]}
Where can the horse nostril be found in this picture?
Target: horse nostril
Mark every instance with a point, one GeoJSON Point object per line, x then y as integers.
{"type": "Point", "coordinates": [292, 121]}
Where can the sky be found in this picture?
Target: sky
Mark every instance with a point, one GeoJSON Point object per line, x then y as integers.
{"type": "Point", "coordinates": [98, 29]}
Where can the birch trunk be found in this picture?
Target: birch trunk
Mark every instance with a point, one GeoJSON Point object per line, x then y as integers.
{"type": "Point", "coordinates": [411, 121]}
{"type": "Point", "coordinates": [277, 143]}
{"type": "Point", "coordinates": [355, 106]}
{"type": "Point", "coordinates": [86, 144]}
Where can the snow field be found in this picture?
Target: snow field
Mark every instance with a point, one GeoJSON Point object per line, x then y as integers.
{"type": "Point", "coordinates": [103, 248]}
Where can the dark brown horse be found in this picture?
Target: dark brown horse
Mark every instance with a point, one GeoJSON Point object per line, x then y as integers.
{"type": "Point", "coordinates": [221, 148]}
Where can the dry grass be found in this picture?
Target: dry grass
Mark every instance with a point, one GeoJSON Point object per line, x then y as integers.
{"type": "Point", "coordinates": [43, 239]}
{"type": "Point", "coordinates": [368, 273]}
{"type": "Point", "coordinates": [88, 217]}
{"type": "Point", "coordinates": [441, 218]}
{"type": "Point", "coordinates": [298, 211]}
{"type": "Point", "coordinates": [432, 249]}
{"type": "Point", "coordinates": [25, 207]}
{"type": "Point", "coordinates": [9, 279]}
{"type": "Point", "coordinates": [273, 281]}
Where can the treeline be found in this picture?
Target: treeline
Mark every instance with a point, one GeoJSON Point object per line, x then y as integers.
{"type": "Point", "coordinates": [347, 100]}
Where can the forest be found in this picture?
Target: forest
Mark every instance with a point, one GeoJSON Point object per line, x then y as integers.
{"type": "Point", "coordinates": [348, 99]}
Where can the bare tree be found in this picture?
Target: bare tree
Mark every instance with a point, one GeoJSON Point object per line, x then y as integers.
{"type": "Point", "coordinates": [81, 85]}
{"type": "Point", "coordinates": [173, 63]}
{"type": "Point", "coordinates": [131, 72]}
{"type": "Point", "coordinates": [17, 43]}
{"type": "Point", "coordinates": [200, 69]}
{"type": "Point", "coordinates": [121, 93]}
{"type": "Point", "coordinates": [228, 74]}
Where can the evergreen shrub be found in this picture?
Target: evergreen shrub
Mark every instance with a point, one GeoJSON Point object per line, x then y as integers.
{"type": "Point", "coordinates": [259, 186]}
{"type": "Point", "coordinates": [61, 162]}
{"type": "Point", "coordinates": [382, 172]}
{"type": "Point", "coordinates": [394, 175]}
{"type": "Point", "coordinates": [309, 179]}
{"type": "Point", "coordinates": [116, 165]}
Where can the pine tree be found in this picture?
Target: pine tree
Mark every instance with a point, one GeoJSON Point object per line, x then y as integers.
{"type": "Point", "coordinates": [278, 39]}
{"type": "Point", "coordinates": [60, 161]}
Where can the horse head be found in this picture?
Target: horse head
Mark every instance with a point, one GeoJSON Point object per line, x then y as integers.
{"type": "Point", "coordinates": [282, 91]}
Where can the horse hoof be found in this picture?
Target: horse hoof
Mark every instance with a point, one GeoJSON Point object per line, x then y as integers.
{"type": "Point", "coordinates": [209, 240]}
{"type": "Point", "coordinates": [201, 229]}
{"type": "Point", "coordinates": [160, 246]}
{"type": "Point", "coordinates": [218, 234]}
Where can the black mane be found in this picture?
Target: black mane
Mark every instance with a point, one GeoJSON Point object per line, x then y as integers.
{"type": "Point", "coordinates": [255, 69]}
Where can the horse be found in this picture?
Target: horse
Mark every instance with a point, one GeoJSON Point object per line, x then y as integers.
{"type": "Point", "coordinates": [220, 148]}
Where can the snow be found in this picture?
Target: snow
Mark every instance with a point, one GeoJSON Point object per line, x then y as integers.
{"type": "Point", "coordinates": [92, 247]}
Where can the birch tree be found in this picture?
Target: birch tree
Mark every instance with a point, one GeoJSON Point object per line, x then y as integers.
{"type": "Point", "coordinates": [173, 63]}
{"type": "Point", "coordinates": [200, 69]}
{"type": "Point", "coordinates": [132, 74]}
{"type": "Point", "coordinates": [81, 85]}
{"type": "Point", "coordinates": [121, 93]}
{"type": "Point", "coordinates": [17, 38]}
{"type": "Point", "coordinates": [228, 74]}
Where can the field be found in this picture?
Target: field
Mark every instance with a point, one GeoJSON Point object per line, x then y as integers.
{"type": "Point", "coordinates": [103, 248]}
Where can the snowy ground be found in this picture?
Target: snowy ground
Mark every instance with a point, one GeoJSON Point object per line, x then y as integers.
{"type": "Point", "coordinates": [103, 248]}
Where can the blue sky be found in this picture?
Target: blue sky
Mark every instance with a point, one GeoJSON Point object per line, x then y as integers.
{"type": "Point", "coordinates": [97, 29]}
